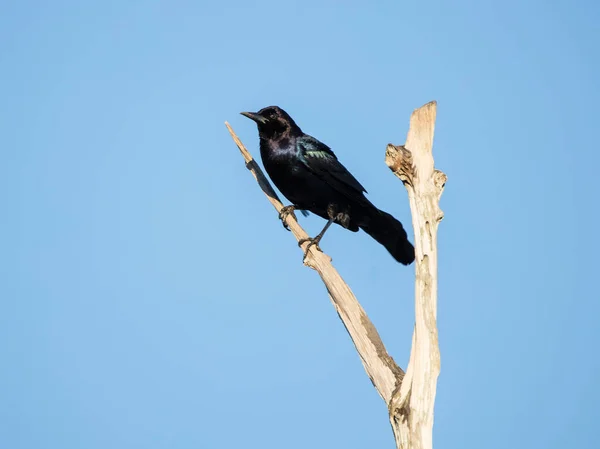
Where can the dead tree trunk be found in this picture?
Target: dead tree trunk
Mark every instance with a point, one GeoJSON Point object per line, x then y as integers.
{"type": "Point", "coordinates": [410, 398]}
{"type": "Point", "coordinates": [411, 407]}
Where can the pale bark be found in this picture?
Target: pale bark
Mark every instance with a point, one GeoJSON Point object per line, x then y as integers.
{"type": "Point", "coordinates": [410, 398]}
{"type": "Point", "coordinates": [412, 406]}
{"type": "Point", "coordinates": [381, 368]}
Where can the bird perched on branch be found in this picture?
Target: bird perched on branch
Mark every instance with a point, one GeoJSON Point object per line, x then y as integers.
{"type": "Point", "coordinates": [309, 174]}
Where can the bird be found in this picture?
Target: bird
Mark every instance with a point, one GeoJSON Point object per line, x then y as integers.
{"type": "Point", "coordinates": [308, 173]}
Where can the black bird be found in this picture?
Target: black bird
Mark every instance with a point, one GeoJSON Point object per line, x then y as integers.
{"type": "Point", "coordinates": [309, 174]}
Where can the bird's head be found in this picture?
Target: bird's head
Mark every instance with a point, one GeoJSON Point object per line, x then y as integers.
{"type": "Point", "coordinates": [273, 122]}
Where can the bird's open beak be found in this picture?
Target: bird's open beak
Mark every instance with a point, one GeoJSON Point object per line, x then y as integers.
{"type": "Point", "coordinates": [254, 116]}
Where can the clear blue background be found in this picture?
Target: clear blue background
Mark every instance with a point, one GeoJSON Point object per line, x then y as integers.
{"type": "Point", "coordinates": [150, 297]}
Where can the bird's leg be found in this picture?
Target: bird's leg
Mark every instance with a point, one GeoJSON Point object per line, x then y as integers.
{"type": "Point", "coordinates": [285, 211]}
{"type": "Point", "coordinates": [315, 241]}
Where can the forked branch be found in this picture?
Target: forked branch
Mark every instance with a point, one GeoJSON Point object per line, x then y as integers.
{"type": "Point", "coordinates": [410, 398]}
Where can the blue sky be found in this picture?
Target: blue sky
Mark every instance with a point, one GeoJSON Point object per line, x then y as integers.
{"type": "Point", "coordinates": [150, 297]}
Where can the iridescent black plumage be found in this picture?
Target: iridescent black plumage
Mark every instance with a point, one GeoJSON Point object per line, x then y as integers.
{"type": "Point", "coordinates": [309, 174]}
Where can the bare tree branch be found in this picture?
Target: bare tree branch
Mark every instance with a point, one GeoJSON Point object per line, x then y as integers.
{"type": "Point", "coordinates": [385, 374]}
{"type": "Point", "coordinates": [410, 398]}
{"type": "Point", "coordinates": [412, 406]}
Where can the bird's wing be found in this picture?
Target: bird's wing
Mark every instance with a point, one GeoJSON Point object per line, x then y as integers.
{"type": "Point", "coordinates": [319, 159]}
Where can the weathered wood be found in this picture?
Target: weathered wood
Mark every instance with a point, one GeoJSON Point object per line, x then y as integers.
{"type": "Point", "coordinates": [410, 397]}
{"type": "Point", "coordinates": [380, 367]}
{"type": "Point", "coordinates": [412, 405]}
